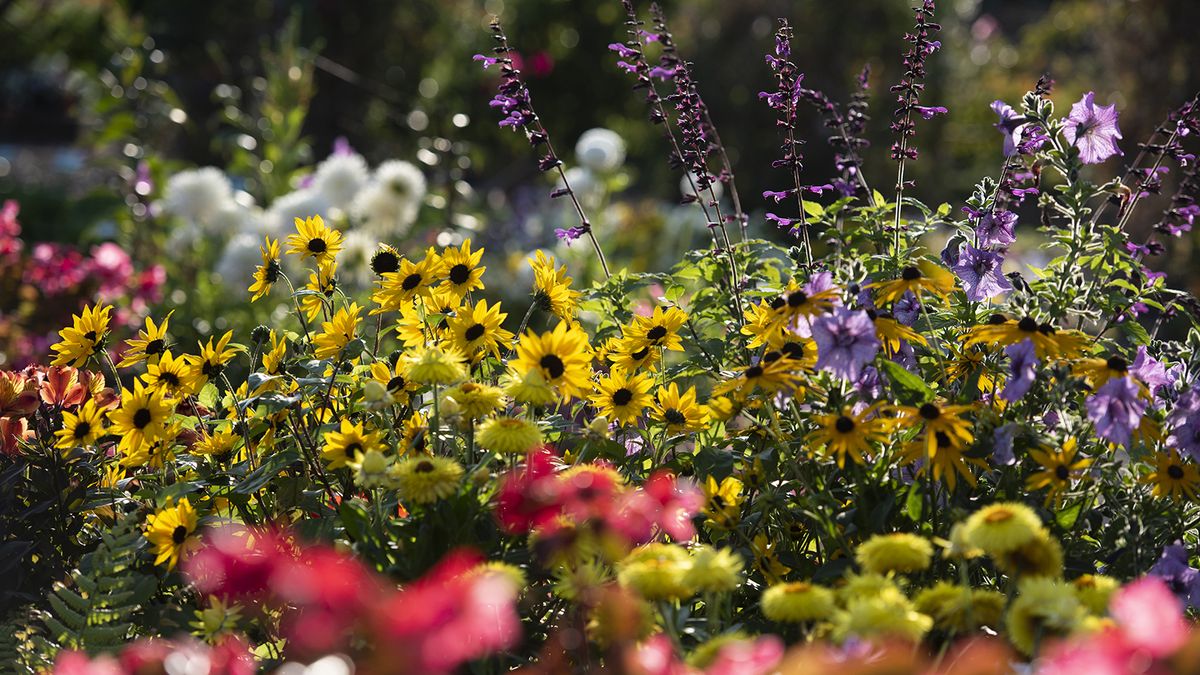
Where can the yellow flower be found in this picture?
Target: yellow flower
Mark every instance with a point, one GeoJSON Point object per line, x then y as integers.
{"type": "Point", "coordinates": [798, 602]}
{"type": "Point", "coordinates": [476, 400]}
{"type": "Point", "coordinates": [435, 365]}
{"type": "Point", "coordinates": [1048, 342]}
{"type": "Point", "coordinates": [266, 274]}
{"type": "Point", "coordinates": [625, 353]}
{"type": "Point", "coordinates": [795, 303]}
{"type": "Point", "coordinates": [656, 571]}
{"type": "Point", "coordinates": [925, 276]}
{"type": "Point", "coordinates": [217, 443]}
{"type": "Point", "coordinates": [770, 376]}
{"type": "Point", "coordinates": [1094, 591]}
{"type": "Point", "coordinates": [397, 386]}
{"type": "Point", "coordinates": [426, 479]}
{"type": "Point", "coordinates": [766, 559]}
{"type": "Point", "coordinates": [349, 441]}
{"type": "Point", "coordinates": [313, 239]}
{"type": "Point", "coordinates": [153, 452]}
{"type": "Point", "coordinates": [887, 614]}
{"type": "Point", "coordinates": [509, 435]}
{"type": "Point", "coordinates": [1058, 470]}
{"type": "Point", "coordinates": [960, 609]}
{"type": "Point", "coordinates": [723, 502]}
{"type": "Point", "coordinates": [84, 338]}
{"type": "Point", "coordinates": [1039, 557]}
{"type": "Point", "coordinates": [272, 359]}
{"type": "Point", "coordinates": [1045, 609]}
{"type": "Point", "coordinates": [941, 425]}
{"type": "Point", "coordinates": [679, 412]}
{"type": "Point", "coordinates": [850, 434]}
{"type": "Point", "coordinates": [561, 356]}
{"type": "Point", "coordinates": [948, 465]}
{"type": "Point", "coordinates": [323, 284]}
{"type": "Point", "coordinates": [714, 570]}
{"type": "Point", "coordinates": [900, 552]}
{"type": "Point", "coordinates": [150, 343]}
{"type": "Point", "coordinates": [414, 434]}
{"type": "Point", "coordinates": [529, 387]}
{"type": "Point", "coordinates": [141, 416]}
{"type": "Point", "coordinates": [1001, 527]}
{"type": "Point", "coordinates": [168, 531]}
{"type": "Point", "coordinates": [411, 281]}
{"type": "Point", "coordinates": [660, 329]}
{"type": "Point", "coordinates": [479, 330]}
{"type": "Point", "coordinates": [1098, 371]}
{"type": "Point", "coordinates": [336, 334]}
{"type": "Point", "coordinates": [1173, 477]}
{"type": "Point", "coordinates": [892, 334]}
{"type": "Point", "coordinates": [461, 269]}
{"type": "Point", "coordinates": [552, 287]}
{"type": "Point", "coordinates": [622, 397]}
{"type": "Point", "coordinates": [765, 325]}
{"type": "Point", "coordinates": [175, 377]}
{"type": "Point", "coordinates": [82, 427]}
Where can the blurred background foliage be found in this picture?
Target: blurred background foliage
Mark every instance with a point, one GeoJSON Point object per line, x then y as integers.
{"type": "Point", "coordinates": [88, 88]}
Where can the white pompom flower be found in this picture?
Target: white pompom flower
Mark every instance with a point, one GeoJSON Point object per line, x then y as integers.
{"type": "Point", "coordinates": [388, 206]}
{"type": "Point", "coordinates": [601, 150]}
{"type": "Point", "coordinates": [197, 194]}
{"type": "Point", "coordinates": [340, 178]}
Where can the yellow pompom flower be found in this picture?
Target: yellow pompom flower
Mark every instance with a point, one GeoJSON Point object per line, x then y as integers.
{"type": "Point", "coordinates": [169, 531]}
{"type": "Point", "coordinates": [561, 356]}
{"type": "Point", "coordinates": [314, 239]}
{"type": "Point", "coordinates": [476, 400]}
{"type": "Point", "coordinates": [887, 615]}
{"type": "Point", "coordinates": [508, 435]}
{"type": "Point", "coordinates": [1041, 556]}
{"type": "Point", "coordinates": [1045, 609]}
{"type": "Point", "coordinates": [1002, 527]}
{"type": "Point", "coordinates": [84, 338]}
{"type": "Point", "coordinates": [656, 571]}
{"type": "Point", "coordinates": [435, 365]}
{"type": "Point", "coordinates": [1094, 591]}
{"type": "Point", "coordinates": [900, 552]}
{"type": "Point", "coordinates": [426, 479]}
{"type": "Point", "coordinates": [714, 570]}
{"type": "Point", "coordinates": [81, 428]}
{"type": "Point", "coordinates": [338, 333]}
{"type": "Point", "coordinates": [960, 609]}
{"type": "Point", "coordinates": [350, 440]}
{"type": "Point", "coordinates": [797, 602]}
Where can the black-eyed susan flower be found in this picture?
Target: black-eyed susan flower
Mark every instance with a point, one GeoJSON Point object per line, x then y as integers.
{"type": "Point", "coordinates": [1001, 527]}
{"type": "Point", "coordinates": [678, 411]}
{"type": "Point", "coordinates": [173, 375]}
{"type": "Point", "coordinates": [149, 344]}
{"type": "Point", "coordinates": [508, 435]}
{"type": "Point", "coordinates": [169, 531]}
{"type": "Point", "coordinates": [552, 287]}
{"type": "Point", "coordinates": [435, 364]}
{"type": "Point", "coordinates": [349, 441]}
{"type": "Point", "coordinates": [337, 333]}
{"type": "Point", "coordinates": [1174, 477]}
{"type": "Point", "coordinates": [142, 415]}
{"type": "Point", "coordinates": [1045, 609]}
{"type": "Point", "coordinates": [475, 400]}
{"type": "Point", "coordinates": [314, 239]}
{"type": "Point", "coordinates": [949, 462]}
{"type": "Point", "coordinates": [85, 337]}
{"type": "Point", "coordinates": [847, 434]}
{"type": "Point", "coordinates": [561, 356]}
{"type": "Point", "coordinates": [410, 281]}
{"type": "Point", "coordinates": [397, 386]}
{"type": "Point", "coordinates": [722, 502]}
{"type": "Point", "coordinates": [1059, 468]}
{"type": "Point", "coordinates": [1098, 371]}
{"type": "Point", "coordinates": [81, 428]}
{"type": "Point", "coordinates": [798, 602]}
{"type": "Point", "coordinates": [926, 277]}
{"type": "Point", "coordinates": [940, 425]}
{"type": "Point", "coordinates": [1048, 342]}
{"type": "Point", "coordinates": [892, 334]}
{"type": "Point", "coordinates": [766, 558]}
{"type": "Point", "coordinates": [479, 330]}
{"type": "Point", "coordinates": [660, 329]}
{"type": "Point", "coordinates": [621, 396]}
{"type": "Point", "coordinates": [461, 271]}
{"type": "Point", "coordinates": [266, 274]}
{"type": "Point", "coordinates": [899, 552]}
{"type": "Point", "coordinates": [768, 376]}
{"type": "Point", "coordinates": [218, 443]}
{"type": "Point", "coordinates": [426, 479]}
{"type": "Point", "coordinates": [319, 290]}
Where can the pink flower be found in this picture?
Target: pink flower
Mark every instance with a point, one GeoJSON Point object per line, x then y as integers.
{"type": "Point", "coordinates": [1150, 617]}
{"type": "Point", "coordinates": [237, 562]}
{"type": "Point", "coordinates": [78, 663]}
{"type": "Point", "coordinates": [747, 657]}
{"type": "Point", "coordinates": [677, 500]}
{"type": "Point", "coordinates": [112, 269]}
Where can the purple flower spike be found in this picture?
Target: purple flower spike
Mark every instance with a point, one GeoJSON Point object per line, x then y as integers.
{"type": "Point", "coordinates": [846, 342]}
{"type": "Point", "coordinates": [1093, 130]}
{"type": "Point", "coordinates": [980, 274]}
{"type": "Point", "coordinates": [997, 228]}
{"type": "Point", "coordinates": [1022, 370]}
{"type": "Point", "coordinates": [1116, 410]}
{"type": "Point", "coordinates": [1184, 423]}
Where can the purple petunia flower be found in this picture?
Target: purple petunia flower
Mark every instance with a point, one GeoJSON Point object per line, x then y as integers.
{"type": "Point", "coordinates": [846, 342]}
{"type": "Point", "coordinates": [1002, 444]}
{"type": "Point", "coordinates": [1010, 123]}
{"type": "Point", "coordinates": [1022, 370]}
{"type": "Point", "coordinates": [1151, 371]}
{"type": "Point", "coordinates": [907, 309]}
{"type": "Point", "coordinates": [1116, 410]}
{"type": "Point", "coordinates": [1184, 422]}
{"type": "Point", "coordinates": [1093, 130]}
{"type": "Point", "coordinates": [1180, 577]}
{"type": "Point", "coordinates": [980, 274]}
{"type": "Point", "coordinates": [997, 228]}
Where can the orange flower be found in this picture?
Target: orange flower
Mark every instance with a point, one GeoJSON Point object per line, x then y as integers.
{"type": "Point", "coordinates": [12, 430]}
{"type": "Point", "coordinates": [18, 395]}
{"type": "Point", "coordinates": [61, 387]}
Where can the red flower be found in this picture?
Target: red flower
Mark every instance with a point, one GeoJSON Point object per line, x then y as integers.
{"type": "Point", "coordinates": [530, 497]}
{"type": "Point", "coordinates": [237, 562]}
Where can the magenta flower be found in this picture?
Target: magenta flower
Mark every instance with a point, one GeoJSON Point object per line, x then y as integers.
{"type": "Point", "coordinates": [980, 274]}
{"type": "Point", "coordinates": [846, 342]}
{"type": "Point", "coordinates": [997, 229]}
{"type": "Point", "coordinates": [1150, 617]}
{"type": "Point", "coordinates": [1022, 370]}
{"type": "Point", "coordinates": [1010, 124]}
{"type": "Point", "coordinates": [1116, 410]}
{"type": "Point", "coordinates": [1093, 130]}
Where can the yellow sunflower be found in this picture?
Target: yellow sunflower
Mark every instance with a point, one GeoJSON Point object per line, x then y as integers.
{"type": "Point", "coordinates": [479, 330]}
{"type": "Point", "coordinates": [679, 412]}
{"type": "Point", "coordinates": [169, 531]}
{"type": "Point", "coordinates": [552, 287]}
{"type": "Point", "coordinates": [461, 269]}
{"type": "Point", "coordinates": [336, 334]}
{"type": "Point", "coordinates": [84, 338]}
{"type": "Point", "coordinates": [722, 502]}
{"type": "Point", "coordinates": [622, 397]}
{"type": "Point", "coordinates": [561, 356]}
{"type": "Point", "coordinates": [142, 415]}
{"type": "Point", "coordinates": [348, 442]}
{"type": "Point", "coordinates": [411, 281]}
{"type": "Point", "coordinates": [322, 284]}
{"type": "Point", "coordinates": [81, 428]}
{"type": "Point", "coordinates": [660, 329]}
{"type": "Point", "coordinates": [392, 378]}
{"type": "Point", "coordinates": [314, 239]}
{"type": "Point", "coordinates": [149, 344]}
{"type": "Point", "coordinates": [174, 376]}
{"type": "Point", "coordinates": [625, 353]}
{"type": "Point", "coordinates": [266, 274]}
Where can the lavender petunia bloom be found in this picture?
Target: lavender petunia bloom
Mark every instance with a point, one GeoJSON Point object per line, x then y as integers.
{"type": "Point", "coordinates": [1116, 410]}
{"type": "Point", "coordinates": [1184, 423]}
{"type": "Point", "coordinates": [907, 309]}
{"type": "Point", "coordinates": [1093, 130]}
{"type": "Point", "coordinates": [1151, 371]}
{"type": "Point", "coordinates": [1022, 370]}
{"type": "Point", "coordinates": [980, 274]}
{"type": "Point", "coordinates": [846, 342]}
{"type": "Point", "coordinates": [997, 228]}
{"type": "Point", "coordinates": [1002, 444]}
{"type": "Point", "coordinates": [1181, 578]}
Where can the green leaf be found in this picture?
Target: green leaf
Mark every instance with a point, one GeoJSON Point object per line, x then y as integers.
{"type": "Point", "coordinates": [908, 388]}
{"type": "Point", "coordinates": [813, 209]}
{"type": "Point", "coordinates": [914, 503]}
{"type": "Point", "coordinates": [208, 396]}
{"type": "Point", "coordinates": [271, 466]}
{"type": "Point", "coordinates": [1067, 516]}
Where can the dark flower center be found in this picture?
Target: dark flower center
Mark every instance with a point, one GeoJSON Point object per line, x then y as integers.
{"type": "Point", "coordinates": [179, 534]}
{"type": "Point", "coordinates": [1175, 472]}
{"type": "Point", "coordinates": [622, 397]}
{"type": "Point", "coordinates": [395, 384]}
{"type": "Point", "coordinates": [1061, 472]}
{"type": "Point", "coordinates": [930, 411]}
{"type": "Point", "coordinates": [1027, 325]}
{"type": "Point", "coordinates": [1046, 329]}
{"type": "Point", "coordinates": [997, 319]}
{"type": "Point", "coordinates": [142, 417]}
{"type": "Point", "coordinates": [553, 365]}
{"type": "Point", "coordinates": [674, 417]}
{"type": "Point", "coordinates": [82, 430]}
{"type": "Point", "coordinates": [1117, 363]}
{"type": "Point", "coordinates": [154, 347]}
{"type": "Point", "coordinates": [385, 262]}
{"type": "Point", "coordinates": [943, 441]}
{"type": "Point", "coordinates": [657, 333]}
{"type": "Point", "coordinates": [411, 281]}
{"type": "Point", "coordinates": [797, 299]}
{"type": "Point", "coordinates": [90, 336]}
{"type": "Point", "coordinates": [460, 274]}
{"type": "Point", "coordinates": [271, 272]}
{"type": "Point", "coordinates": [753, 372]}
{"type": "Point", "coordinates": [640, 354]}
{"type": "Point", "coordinates": [717, 501]}
{"type": "Point", "coordinates": [353, 449]}
{"type": "Point", "coordinates": [168, 377]}
{"type": "Point", "coordinates": [317, 245]}
{"type": "Point", "coordinates": [424, 466]}
{"type": "Point", "coordinates": [475, 332]}
{"type": "Point", "coordinates": [910, 273]}
{"type": "Point", "coordinates": [844, 425]}
{"type": "Point", "coordinates": [778, 302]}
